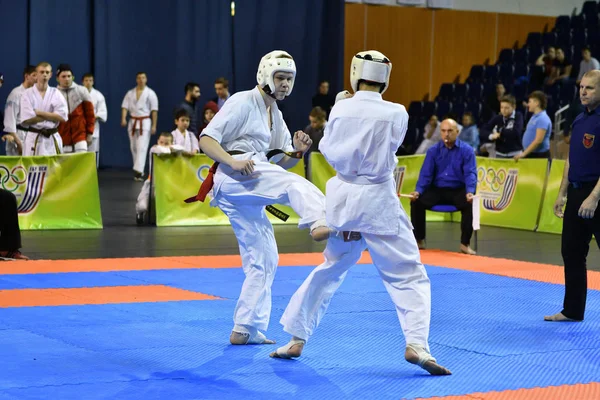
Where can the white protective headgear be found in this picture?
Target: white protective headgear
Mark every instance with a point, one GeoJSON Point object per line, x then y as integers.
{"type": "Point", "coordinates": [370, 66]}
{"type": "Point", "coordinates": [270, 64]}
{"type": "Point", "coordinates": [344, 94]}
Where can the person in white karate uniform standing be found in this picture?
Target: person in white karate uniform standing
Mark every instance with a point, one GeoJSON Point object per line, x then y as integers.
{"type": "Point", "coordinates": [141, 103]}
{"type": "Point", "coordinates": [100, 112]}
{"type": "Point", "coordinates": [15, 137]}
{"type": "Point", "coordinates": [239, 137]}
{"type": "Point", "coordinates": [360, 141]}
{"type": "Point", "coordinates": [42, 109]}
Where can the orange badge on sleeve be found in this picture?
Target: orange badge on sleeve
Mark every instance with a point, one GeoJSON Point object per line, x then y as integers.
{"type": "Point", "coordinates": [588, 140]}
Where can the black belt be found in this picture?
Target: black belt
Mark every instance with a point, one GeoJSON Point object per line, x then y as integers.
{"type": "Point", "coordinates": [208, 182]}
{"type": "Point", "coordinates": [45, 132]}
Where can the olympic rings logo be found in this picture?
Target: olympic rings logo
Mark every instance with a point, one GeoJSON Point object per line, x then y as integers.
{"type": "Point", "coordinates": [199, 172]}
{"type": "Point", "coordinates": [491, 179]}
{"type": "Point", "coordinates": [11, 179]}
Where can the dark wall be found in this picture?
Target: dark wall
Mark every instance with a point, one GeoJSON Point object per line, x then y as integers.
{"type": "Point", "coordinates": [173, 42]}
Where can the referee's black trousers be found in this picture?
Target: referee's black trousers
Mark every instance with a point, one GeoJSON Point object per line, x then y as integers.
{"type": "Point", "coordinates": [10, 235]}
{"type": "Point", "coordinates": [576, 237]}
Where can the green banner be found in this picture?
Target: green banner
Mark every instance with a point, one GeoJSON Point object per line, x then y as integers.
{"type": "Point", "coordinates": [54, 192]}
{"type": "Point", "coordinates": [406, 175]}
{"type": "Point", "coordinates": [511, 192]}
{"type": "Point", "coordinates": [549, 222]}
{"type": "Point", "coordinates": [176, 178]}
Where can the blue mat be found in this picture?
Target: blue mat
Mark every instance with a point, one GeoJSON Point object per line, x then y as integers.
{"type": "Point", "coordinates": [487, 329]}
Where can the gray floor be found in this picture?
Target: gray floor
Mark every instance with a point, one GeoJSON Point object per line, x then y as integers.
{"type": "Point", "coordinates": [122, 238]}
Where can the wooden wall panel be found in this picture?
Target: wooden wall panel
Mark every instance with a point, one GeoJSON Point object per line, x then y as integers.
{"type": "Point", "coordinates": [515, 28]}
{"type": "Point", "coordinates": [404, 35]}
{"type": "Point", "coordinates": [355, 33]}
{"type": "Point", "coordinates": [461, 39]}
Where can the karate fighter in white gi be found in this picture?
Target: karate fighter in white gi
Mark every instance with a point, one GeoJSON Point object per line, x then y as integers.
{"type": "Point", "coordinates": [360, 141]}
{"type": "Point", "coordinates": [141, 103]}
{"type": "Point", "coordinates": [250, 125]}
{"type": "Point", "coordinates": [15, 137]}
{"type": "Point", "coordinates": [42, 109]}
{"type": "Point", "coordinates": [100, 112]}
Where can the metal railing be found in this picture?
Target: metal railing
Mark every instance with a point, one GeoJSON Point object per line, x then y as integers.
{"type": "Point", "coordinates": [559, 119]}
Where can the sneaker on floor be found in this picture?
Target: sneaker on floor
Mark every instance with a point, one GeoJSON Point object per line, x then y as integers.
{"type": "Point", "coordinates": [12, 256]}
{"type": "Point", "coordinates": [140, 218]}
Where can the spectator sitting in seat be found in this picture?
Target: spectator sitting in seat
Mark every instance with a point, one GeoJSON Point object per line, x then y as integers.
{"type": "Point", "coordinates": [469, 134]}
{"type": "Point", "coordinates": [430, 135]}
{"type": "Point", "coordinates": [588, 63]}
{"type": "Point", "coordinates": [448, 176]}
{"type": "Point", "coordinates": [561, 70]}
{"type": "Point", "coordinates": [543, 67]}
{"type": "Point", "coordinates": [505, 129]}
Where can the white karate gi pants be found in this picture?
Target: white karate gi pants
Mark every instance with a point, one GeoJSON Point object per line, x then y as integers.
{"type": "Point", "coordinates": [80, 147]}
{"type": "Point", "coordinates": [143, 198]}
{"type": "Point", "coordinates": [95, 148]}
{"type": "Point", "coordinates": [243, 200]}
{"type": "Point", "coordinates": [405, 279]}
{"type": "Point", "coordinates": [38, 145]}
{"type": "Point", "coordinates": [139, 149]}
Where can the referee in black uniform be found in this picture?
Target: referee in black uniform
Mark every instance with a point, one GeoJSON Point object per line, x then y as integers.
{"type": "Point", "coordinates": [580, 188]}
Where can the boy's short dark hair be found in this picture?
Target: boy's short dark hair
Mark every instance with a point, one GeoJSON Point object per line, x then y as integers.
{"type": "Point", "coordinates": [510, 99]}
{"type": "Point", "coordinates": [541, 98]}
{"type": "Point", "coordinates": [166, 134]}
{"type": "Point", "coordinates": [181, 113]}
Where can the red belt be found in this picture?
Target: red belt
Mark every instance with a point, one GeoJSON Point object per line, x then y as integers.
{"type": "Point", "coordinates": [138, 121]}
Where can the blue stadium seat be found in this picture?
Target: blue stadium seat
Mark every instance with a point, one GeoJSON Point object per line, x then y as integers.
{"type": "Point", "coordinates": [446, 91]}
{"type": "Point", "coordinates": [579, 37]}
{"type": "Point", "coordinates": [534, 39]}
{"type": "Point", "coordinates": [549, 39]}
{"type": "Point", "coordinates": [535, 53]}
{"type": "Point", "coordinates": [577, 21]}
{"type": "Point", "coordinates": [590, 7]}
{"type": "Point", "coordinates": [564, 39]}
{"type": "Point", "coordinates": [491, 73]}
{"type": "Point", "coordinates": [443, 108]}
{"type": "Point", "coordinates": [520, 92]}
{"type": "Point", "coordinates": [489, 88]}
{"type": "Point", "coordinates": [474, 107]}
{"type": "Point", "coordinates": [553, 92]}
{"type": "Point", "coordinates": [522, 55]}
{"type": "Point", "coordinates": [415, 108]}
{"type": "Point", "coordinates": [506, 56]}
{"type": "Point", "coordinates": [563, 23]}
{"type": "Point", "coordinates": [475, 91]}
{"type": "Point", "coordinates": [476, 74]}
{"type": "Point", "coordinates": [460, 91]}
{"type": "Point", "coordinates": [458, 108]}
{"type": "Point", "coordinates": [568, 92]}
{"type": "Point", "coordinates": [506, 72]}
{"type": "Point", "coordinates": [428, 109]}
{"type": "Point", "coordinates": [521, 69]}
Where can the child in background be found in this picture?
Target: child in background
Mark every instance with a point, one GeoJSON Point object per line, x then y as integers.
{"type": "Point", "coordinates": [182, 137]}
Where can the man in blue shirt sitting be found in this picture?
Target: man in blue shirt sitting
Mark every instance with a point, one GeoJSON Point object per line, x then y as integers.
{"type": "Point", "coordinates": [536, 139]}
{"type": "Point", "coordinates": [448, 176]}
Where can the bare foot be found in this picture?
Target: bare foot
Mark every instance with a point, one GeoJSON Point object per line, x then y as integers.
{"type": "Point", "coordinates": [320, 234]}
{"type": "Point", "coordinates": [291, 350]}
{"type": "Point", "coordinates": [467, 250]}
{"type": "Point", "coordinates": [560, 317]}
{"type": "Point", "coordinates": [244, 338]}
{"type": "Point", "coordinates": [425, 361]}
{"type": "Point", "coordinates": [421, 244]}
